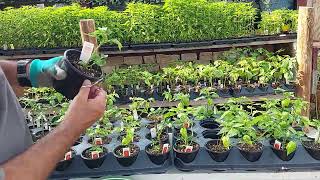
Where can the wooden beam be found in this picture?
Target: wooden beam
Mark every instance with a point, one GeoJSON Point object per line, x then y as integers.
{"type": "Point", "coordinates": [87, 26]}
{"type": "Point", "coordinates": [316, 6]}
{"type": "Point", "coordinates": [304, 54]}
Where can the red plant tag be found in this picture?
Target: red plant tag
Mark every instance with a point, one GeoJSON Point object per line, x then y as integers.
{"type": "Point", "coordinates": [165, 148]}
{"type": "Point", "coordinates": [277, 144]}
{"type": "Point", "coordinates": [98, 141]}
{"type": "Point", "coordinates": [95, 155]}
{"type": "Point", "coordinates": [189, 149]}
{"type": "Point", "coordinates": [68, 155]}
{"type": "Point", "coordinates": [126, 152]}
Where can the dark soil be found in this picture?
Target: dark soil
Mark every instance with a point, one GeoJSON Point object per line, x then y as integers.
{"type": "Point", "coordinates": [134, 149]}
{"type": "Point", "coordinates": [105, 140]}
{"type": "Point", "coordinates": [155, 150]}
{"type": "Point", "coordinates": [216, 147]}
{"type": "Point", "coordinates": [87, 153]}
{"type": "Point", "coordinates": [312, 145]}
{"type": "Point", "coordinates": [180, 147]}
{"type": "Point", "coordinates": [93, 72]}
{"type": "Point", "coordinates": [136, 138]}
{"type": "Point", "coordinates": [253, 148]}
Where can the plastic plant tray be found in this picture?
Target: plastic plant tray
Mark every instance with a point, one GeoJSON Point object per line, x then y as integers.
{"type": "Point", "coordinates": [110, 166]}
{"type": "Point", "coordinates": [235, 161]}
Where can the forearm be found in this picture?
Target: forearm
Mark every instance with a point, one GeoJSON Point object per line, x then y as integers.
{"type": "Point", "coordinates": [40, 159]}
{"type": "Point", "coordinates": [10, 70]}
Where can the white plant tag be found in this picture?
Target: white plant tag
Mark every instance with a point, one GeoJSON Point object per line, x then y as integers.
{"type": "Point", "coordinates": [86, 52]}
{"type": "Point", "coordinates": [126, 152]}
{"type": "Point", "coordinates": [5, 47]}
{"type": "Point", "coordinates": [50, 128]}
{"type": "Point", "coordinates": [46, 127]}
{"type": "Point", "coordinates": [11, 46]}
{"type": "Point", "coordinates": [165, 148]}
{"type": "Point", "coordinates": [153, 132]}
{"type": "Point", "coordinates": [189, 149]}
{"type": "Point", "coordinates": [68, 155]}
{"type": "Point", "coordinates": [277, 144]}
{"type": "Point", "coordinates": [135, 115]}
{"type": "Point", "coordinates": [40, 5]}
{"type": "Point", "coordinates": [95, 155]}
{"type": "Point", "coordinates": [121, 125]}
{"type": "Point", "coordinates": [98, 141]}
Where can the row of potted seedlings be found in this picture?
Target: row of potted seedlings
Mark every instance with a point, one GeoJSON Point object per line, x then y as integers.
{"type": "Point", "coordinates": [239, 72]}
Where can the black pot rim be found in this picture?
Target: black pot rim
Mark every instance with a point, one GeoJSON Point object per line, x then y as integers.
{"type": "Point", "coordinates": [75, 69]}
{"type": "Point", "coordinates": [206, 147]}
{"type": "Point", "coordinates": [83, 157]}
{"type": "Point", "coordinates": [120, 146]}
{"type": "Point", "coordinates": [147, 150]}
{"type": "Point", "coordinates": [303, 143]}
{"type": "Point", "coordinates": [193, 150]}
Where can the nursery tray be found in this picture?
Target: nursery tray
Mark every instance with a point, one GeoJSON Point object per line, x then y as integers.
{"type": "Point", "coordinates": [235, 160]}
{"type": "Point", "coordinates": [110, 166]}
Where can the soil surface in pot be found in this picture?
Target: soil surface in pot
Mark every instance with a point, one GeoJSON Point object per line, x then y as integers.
{"type": "Point", "coordinates": [216, 147]}
{"type": "Point", "coordinates": [180, 147]}
{"type": "Point", "coordinates": [251, 148]}
{"type": "Point", "coordinates": [93, 71]}
{"type": "Point", "coordinates": [155, 151]}
{"type": "Point", "coordinates": [136, 138]}
{"type": "Point", "coordinates": [134, 149]}
{"type": "Point", "coordinates": [105, 140]}
{"type": "Point", "coordinates": [312, 145]}
{"type": "Point", "coordinates": [87, 153]}
{"type": "Point", "coordinates": [163, 137]}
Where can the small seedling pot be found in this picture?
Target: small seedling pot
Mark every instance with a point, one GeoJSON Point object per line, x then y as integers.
{"type": "Point", "coordinates": [211, 134]}
{"type": "Point", "coordinates": [186, 157]}
{"type": "Point", "coordinates": [251, 156]}
{"type": "Point", "coordinates": [64, 164]}
{"type": "Point", "coordinates": [209, 124]}
{"type": "Point", "coordinates": [70, 86]}
{"type": "Point", "coordinates": [281, 153]}
{"type": "Point", "coordinates": [157, 159]}
{"type": "Point", "coordinates": [216, 155]}
{"type": "Point", "coordinates": [126, 161]}
{"type": "Point", "coordinates": [313, 151]}
{"type": "Point", "coordinates": [94, 163]}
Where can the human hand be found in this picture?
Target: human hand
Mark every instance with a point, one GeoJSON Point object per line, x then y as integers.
{"type": "Point", "coordinates": [87, 107]}
{"type": "Point", "coordinates": [43, 72]}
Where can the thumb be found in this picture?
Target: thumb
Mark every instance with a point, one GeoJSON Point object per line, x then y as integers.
{"type": "Point", "coordinates": [85, 89]}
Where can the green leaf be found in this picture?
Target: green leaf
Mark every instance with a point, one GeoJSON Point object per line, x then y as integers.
{"type": "Point", "coordinates": [291, 147]}
{"type": "Point", "coordinates": [226, 142]}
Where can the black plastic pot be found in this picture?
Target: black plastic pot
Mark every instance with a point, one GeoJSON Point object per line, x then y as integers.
{"type": "Point", "coordinates": [70, 86]}
{"type": "Point", "coordinates": [212, 134]}
{"type": "Point", "coordinates": [217, 156]}
{"type": "Point", "coordinates": [94, 163]}
{"type": "Point", "coordinates": [251, 156]}
{"type": "Point", "coordinates": [125, 161]}
{"type": "Point", "coordinates": [209, 124]}
{"type": "Point", "coordinates": [315, 153]}
{"type": "Point", "coordinates": [157, 159]}
{"type": "Point", "coordinates": [281, 153]}
{"type": "Point", "coordinates": [64, 164]}
{"type": "Point", "coordinates": [186, 157]}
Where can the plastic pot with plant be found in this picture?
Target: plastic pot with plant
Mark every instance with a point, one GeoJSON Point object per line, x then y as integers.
{"type": "Point", "coordinates": [66, 161]}
{"type": "Point", "coordinates": [79, 70]}
{"type": "Point", "coordinates": [94, 156]}
{"type": "Point", "coordinates": [99, 134]}
{"type": "Point", "coordinates": [160, 132]}
{"type": "Point", "coordinates": [127, 153]}
{"type": "Point", "coordinates": [219, 149]}
{"type": "Point", "coordinates": [185, 148]}
{"type": "Point", "coordinates": [313, 146]}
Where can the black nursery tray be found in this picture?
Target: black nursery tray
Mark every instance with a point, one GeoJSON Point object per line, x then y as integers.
{"type": "Point", "coordinates": [110, 166]}
{"type": "Point", "coordinates": [235, 160]}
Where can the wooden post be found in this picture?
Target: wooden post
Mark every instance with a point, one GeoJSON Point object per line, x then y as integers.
{"type": "Point", "coordinates": [88, 26]}
{"type": "Point", "coordinates": [316, 6]}
{"type": "Point", "coordinates": [304, 54]}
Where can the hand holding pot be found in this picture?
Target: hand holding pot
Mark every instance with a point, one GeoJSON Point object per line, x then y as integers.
{"type": "Point", "coordinates": [42, 73]}
{"type": "Point", "coordinates": [87, 107]}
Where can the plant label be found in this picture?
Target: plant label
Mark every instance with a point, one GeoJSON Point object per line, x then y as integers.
{"type": "Point", "coordinates": [98, 141]}
{"type": "Point", "coordinates": [68, 155]}
{"type": "Point", "coordinates": [165, 148]}
{"type": "Point", "coordinates": [153, 132]}
{"type": "Point", "coordinates": [135, 115]}
{"type": "Point", "coordinates": [46, 127]}
{"type": "Point", "coordinates": [11, 46]}
{"type": "Point", "coordinates": [5, 47]}
{"type": "Point", "coordinates": [40, 5]}
{"type": "Point", "coordinates": [277, 144]}
{"type": "Point", "coordinates": [126, 152]}
{"type": "Point", "coordinates": [86, 52]}
{"type": "Point", "coordinates": [189, 149]}
{"type": "Point", "coordinates": [95, 155]}
{"type": "Point", "coordinates": [121, 125]}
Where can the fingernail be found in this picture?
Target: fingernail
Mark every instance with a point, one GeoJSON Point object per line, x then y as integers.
{"type": "Point", "coordinates": [86, 82]}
